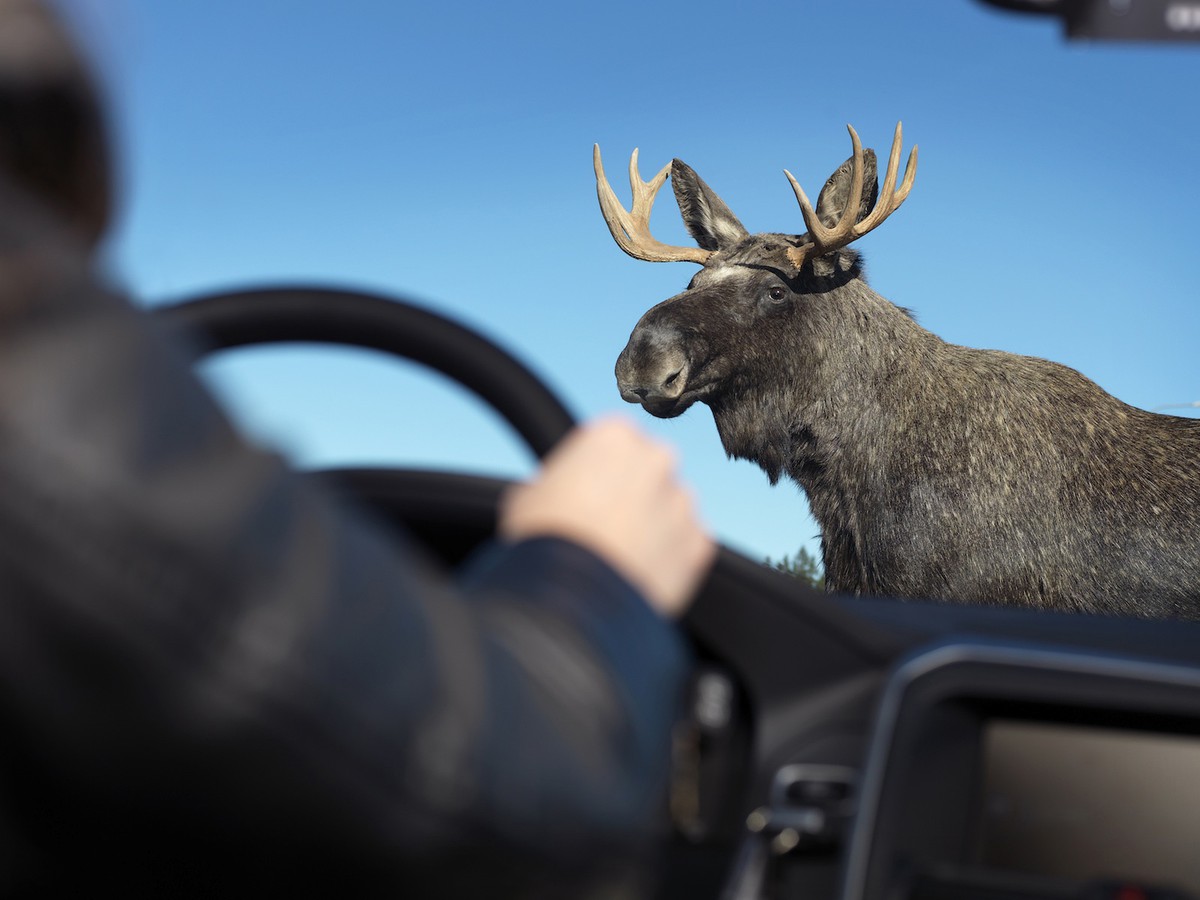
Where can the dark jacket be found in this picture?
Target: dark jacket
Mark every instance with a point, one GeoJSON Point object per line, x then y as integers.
{"type": "Point", "coordinates": [214, 678]}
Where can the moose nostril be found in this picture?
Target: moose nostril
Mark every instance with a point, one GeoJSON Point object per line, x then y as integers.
{"type": "Point", "coordinates": [641, 392]}
{"type": "Point", "coordinates": [671, 379]}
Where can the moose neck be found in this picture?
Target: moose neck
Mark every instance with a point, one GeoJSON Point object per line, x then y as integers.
{"type": "Point", "coordinates": [835, 388]}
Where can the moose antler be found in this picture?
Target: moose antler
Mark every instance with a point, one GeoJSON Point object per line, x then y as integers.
{"type": "Point", "coordinates": [631, 230]}
{"type": "Point", "coordinates": [846, 230]}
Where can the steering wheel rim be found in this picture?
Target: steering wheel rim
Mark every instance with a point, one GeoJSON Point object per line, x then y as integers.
{"type": "Point", "coordinates": [452, 514]}
{"type": "Point", "coordinates": [392, 325]}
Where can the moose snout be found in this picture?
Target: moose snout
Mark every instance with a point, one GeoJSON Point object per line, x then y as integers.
{"type": "Point", "coordinates": [650, 378]}
{"type": "Point", "coordinates": [653, 389]}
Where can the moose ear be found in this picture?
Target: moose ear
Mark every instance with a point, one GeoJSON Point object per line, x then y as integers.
{"type": "Point", "coordinates": [708, 220]}
{"type": "Point", "coordinates": [832, 202]}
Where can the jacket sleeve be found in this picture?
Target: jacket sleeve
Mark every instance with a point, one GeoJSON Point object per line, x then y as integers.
{"type": "Point", "coordinates": [199, 648]}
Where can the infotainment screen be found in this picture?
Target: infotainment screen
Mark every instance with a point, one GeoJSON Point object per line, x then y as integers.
{"type": "Point", "coordinates": [1084, 803]}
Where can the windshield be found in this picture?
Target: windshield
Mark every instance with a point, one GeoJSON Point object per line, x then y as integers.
{"type": "Point", "coordinates": [442, 152]}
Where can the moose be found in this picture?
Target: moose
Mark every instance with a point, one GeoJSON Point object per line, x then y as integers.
{"type": "Point", "coordinates": [935, 471]}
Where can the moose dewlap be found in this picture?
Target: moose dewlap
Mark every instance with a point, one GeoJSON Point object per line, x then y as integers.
{"type": "Point", "coordinates": [935, 471]}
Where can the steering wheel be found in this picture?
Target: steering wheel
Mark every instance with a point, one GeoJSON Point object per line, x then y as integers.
{"type": "Point", "coordinates": [748, 619]}
{"type": "Point", "coordinates": [371, 321]}
{"type": "Point", "coordinates": [451, 513]}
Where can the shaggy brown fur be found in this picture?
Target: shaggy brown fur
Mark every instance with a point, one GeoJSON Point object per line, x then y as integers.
{"type": "Point", "coordinates": [934, 471]}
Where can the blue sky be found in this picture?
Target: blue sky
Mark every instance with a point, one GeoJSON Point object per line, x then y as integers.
{"type": "Point", "coordinates": [442, 152]}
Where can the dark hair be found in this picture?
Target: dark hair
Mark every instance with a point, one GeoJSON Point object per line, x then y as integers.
{"type": "Point", "coordinates": [53, 137]}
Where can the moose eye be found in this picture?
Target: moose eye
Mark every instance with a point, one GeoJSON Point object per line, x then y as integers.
{"type": "Point", "coordinates": [776, 294]}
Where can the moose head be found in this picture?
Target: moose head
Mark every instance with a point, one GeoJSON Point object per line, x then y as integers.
{"type": "Point", "coordinates": [700, 344]}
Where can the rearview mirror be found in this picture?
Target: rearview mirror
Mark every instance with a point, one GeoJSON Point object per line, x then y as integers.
{"type": "Point", "coordinates": [1116, 20]}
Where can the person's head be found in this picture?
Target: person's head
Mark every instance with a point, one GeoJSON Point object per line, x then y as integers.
{"type": "Point", "coordinates": [53, 139]}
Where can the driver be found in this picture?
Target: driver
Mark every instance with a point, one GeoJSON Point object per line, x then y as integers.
{"type": "Point", "coordinates": [213, 678]}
